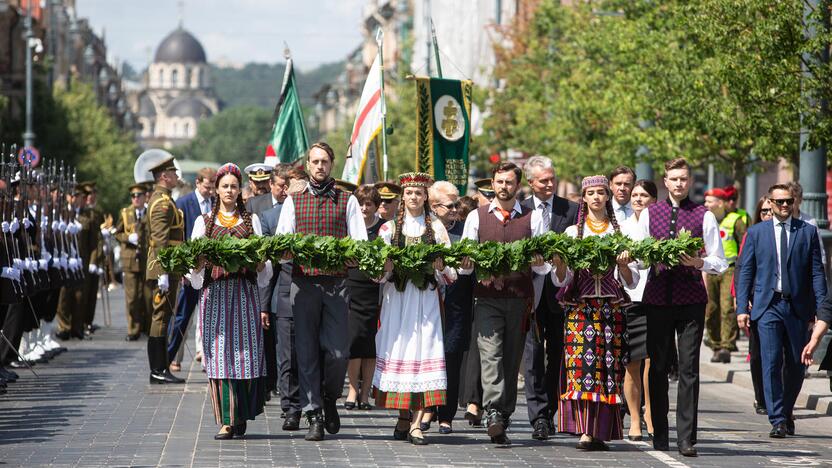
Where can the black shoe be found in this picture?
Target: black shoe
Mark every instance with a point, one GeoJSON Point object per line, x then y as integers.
{"type": "Point", "coordinates": [316, 426]}
{"type": "Point", "coordinates": [790, 426]}
{"type": "Point", "coordinates": [164, 377]}
{"type": "Point", "coordinates": [349, 405]}
{"type": "Point", "coordinates": [778, 431]}
{"type": "Point", "coordinates": [717, 357]}
{"type": "Point", "coordinates": [496, 427]}
{"type": "Point", "coordinates": [63, 336]}
{"type": "Point", "coordinates": [673, 375]}
{"type": "Point", "coordinates": [444, 430]}
{"type": "Point", "coordinates": [474, 420]}
{"type": "Point", "coordinates": [401, 434]}
{"type": "Point", "coordinates": [276, 393]}
{"type": "Point", "coordinates": [725, 356]}
{"type": "Point", "coordinates": [21, 364]}
{"type": "Point", "coordinates": [8, 376]}
{"type": "Point", "coordinates": [131, 337]}
{"type": "Point", "coordinates": [541, 430]}
{"type": "Point", "coordinates": [292, 422]}
{"type": "Point", "coordinates": [366, 406]}
{"type": "Point", "coordinates": [239, 430]}
{"type": "Point", "coordinates": [416, 440]}
{"type": "Point", "coordinates": [686, 449]}
{"type": "Point", "coordinates": [332, 422]}
{"type": "Point", "coordinates": [760, 409]}
{"type": "Point", "coordinates": [635, 438]}
{"type": "Point", "coordinates": [661, 444]}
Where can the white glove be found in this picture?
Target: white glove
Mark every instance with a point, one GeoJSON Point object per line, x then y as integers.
{"type": "Point", "coordinates": [74, 264]}
{"type": "Point", "coordinates": [133, 238]}
{"type": "Point", "coordinates": [5, 226]}
{"type": "Point", "coordinates": [14, 226]}
{"type": "Point", "coordinates": [26, 223]}
{"type": "Point", "coordinates": [43, 264]}
{"type": "Point", "coordinates": [93, 269]}
{"type": "Point", "coordinates": [99, 271]}
{"type": "Point", "coordinates": [163, 283]}
{"type": "Point", "coordinates": [11, 273]}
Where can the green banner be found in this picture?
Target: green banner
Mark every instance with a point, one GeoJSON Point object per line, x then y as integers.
{"type": "Point", "coordinates": [288, 141]}
{"type": "Point", "coordinates": [443, 129]}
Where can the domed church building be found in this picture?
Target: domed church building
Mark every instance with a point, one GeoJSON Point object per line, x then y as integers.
{"type": "Point", "coordinates": [176, 92]}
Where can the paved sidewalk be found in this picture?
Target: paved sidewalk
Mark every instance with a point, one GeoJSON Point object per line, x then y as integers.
{"type": "Point", "coordinates": [92, 406]}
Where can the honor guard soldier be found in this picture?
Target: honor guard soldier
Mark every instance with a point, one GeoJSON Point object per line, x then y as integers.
{"type": "Point", "coordinates": [165, 228]}
{"type": "Point", "coordinates": [390, 197]}
{"type": "Point", "coordinates": [70, 301]}
{"type": "Point", "coordinates": [96, 259]}
{"type": "Point", "coordinates": [130, 233]}
{"type": "Point", "coordinates": [345, 186]}
{"type": "Point", "coordinates": [485, 192]}
{"type": "Point", "coordinates": [258, 178]}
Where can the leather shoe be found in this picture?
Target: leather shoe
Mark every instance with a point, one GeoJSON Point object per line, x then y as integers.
{"type": "Point", "coordinates": [778, 431]}
{"type": "Point", "coordinates": [790, 426]}
{"type": "Point", "coordinates": [497, 428]}
{"type": "Point", "coordinates": [661, 445]}
{"type": "Point", "coordinates": [724, 356]}
{"type": "Point", "coordinates": [131, 337]}
{"type": "Point", "coordinates": [164, 377]}
{"type": "Point", "coordinates": [292, 422]}
{"type": "Point", "coordinates": [541, 430]}
{"type": "Point", "coordinates": [316, 427]}
{"type": "Point", "coordinates": [716, 357]}
{"type": "Point", "coordinates": [416, 440]}
{"type": "Point", "coordinates": [8, 376]}
{"type": "Point", "coordinates": [222, 435]}
{"type": "Point", "coordinates": [687, 449]}
{"type": "Point", "coordinates": [332, 421]}
{"type": "Point", "coordinates": [63, 336]}
{"type": "Point", "coordinates": [20, 364]}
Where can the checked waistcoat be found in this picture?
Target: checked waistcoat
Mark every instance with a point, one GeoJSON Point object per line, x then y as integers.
{"type": "Point", "coordinates": [518, 284]}
{"type": "Point", "coordinates": [680, 285]}
{"type": "Point", "coordinates": [217, 272]}
{"type": "Point", "coordinates": [322, 217]}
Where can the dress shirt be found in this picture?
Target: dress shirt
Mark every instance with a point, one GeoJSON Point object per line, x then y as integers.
{"type": "Point", "coordinates": [139, 214]}
{"type": "Point", "coordinates": [777, 229]}
{"type": "Point", "coordinates": [274, 202]}
{"type": "Point", "coordinates": [714, 260]}
{"type": "Point", "coordinates": [197, 277]}
{"type": "Point", "coordinates": [472, 230]}
{"type": "Point", "coordinates": [539, 227]}
{"type": "Point", "coordinates": [204, 203]}
{"type": "Point", "coordinates": [355, 220]}
{"type": "Point", "coordinates": [622, 212]}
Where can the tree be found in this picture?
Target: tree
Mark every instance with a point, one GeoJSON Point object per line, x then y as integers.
{"type": "Point", "coordinates": [237, 134]}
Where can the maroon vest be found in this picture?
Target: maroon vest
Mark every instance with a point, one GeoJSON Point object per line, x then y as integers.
{"type": "Point", "coordinates": [216, 272]}
{"type": "Point", "coordinates": [515, 285]}
{"type": "Point", "coordinates": [320, 216]}
{"type": "Point", "coordinates": [679, 285]}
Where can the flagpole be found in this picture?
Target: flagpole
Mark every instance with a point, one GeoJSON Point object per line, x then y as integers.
{"type": "Point", "coordinates": [380, 41]}
{"type": "Point", "coordinates": [435, 48]}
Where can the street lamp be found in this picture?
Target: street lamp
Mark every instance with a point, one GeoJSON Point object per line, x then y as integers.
{"type": "Point", "coordinates": [29, 36]}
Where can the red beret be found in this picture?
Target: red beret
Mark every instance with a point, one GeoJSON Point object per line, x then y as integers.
{"type": "Point", "coordinates": [730, 192]}
{"type": "Point", "coordinates": [716, 192]}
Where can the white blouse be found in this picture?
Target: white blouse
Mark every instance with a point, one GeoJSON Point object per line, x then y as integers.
{"type": "Point", "coordinates": [629, 229]}
{"type": "Point", "coordinates": [415, 227]}
{"type": "Point", "coordinates": [197, 277]}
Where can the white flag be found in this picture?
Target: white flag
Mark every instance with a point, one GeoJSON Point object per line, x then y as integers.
{"type": "Point", "coordinates": [366, 128]}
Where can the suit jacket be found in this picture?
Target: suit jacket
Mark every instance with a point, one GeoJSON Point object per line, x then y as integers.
{"type": "Point", "coordinates": [757, 270]}
{"type": "Point", "coordinates": [189, 205]}
{"type": "Point", "coordinates": [564, 214]}
{"type": "Point", "coordinates": [259, 204]}
{"type": "Point", "coordinates": [275, 297]}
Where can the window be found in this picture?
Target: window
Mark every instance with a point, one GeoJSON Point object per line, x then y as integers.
{"type": "Point", "coordinates": [174, 78]}
{"type": "Point", "coordinates": [188, 129]}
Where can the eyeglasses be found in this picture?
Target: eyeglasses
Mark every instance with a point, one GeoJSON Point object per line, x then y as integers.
{"type": "Point", "coordinates": [136, 195]}
{"type": "Point", "coordinates": [449, 206]}
{"type": "Point", "coordinates": [783, 201]}
{"type": "Point", "coordinates": [385, 202]}
{"type": "Point", "coordinates": [765, 211]}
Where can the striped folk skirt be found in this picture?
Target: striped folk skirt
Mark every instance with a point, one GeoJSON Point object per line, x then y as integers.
{"type": "Point", "coordinates": [593, 370]}
{"type": "Point", "coordinates": [237, 401]}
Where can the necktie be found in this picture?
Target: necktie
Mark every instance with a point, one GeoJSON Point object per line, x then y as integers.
{"type": "Point", "coordinates": [785, 287]}
{"type": "Point", "coordinates": [546, 216]}
{"type": "Point", "coordinates": [506, 215]}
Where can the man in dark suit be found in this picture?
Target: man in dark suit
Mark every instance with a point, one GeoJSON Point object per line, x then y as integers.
{"type": "Point", "coordinates": [780, 272]}
{"type": "Point", "coordinates": [823, 323]}
{"type": "Point", "coordinates": [278, 183]}
{"type": "Point", "coordinates": [544, 352]}
{"type": "Point", "coordinates": [281, 362]}
{"type": "Point", "coordinates": [192, 205]}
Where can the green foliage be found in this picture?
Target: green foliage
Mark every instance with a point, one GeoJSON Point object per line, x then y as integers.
{"type": "Point", "coordinates": [237, 134]}
{"type": "Point", "coordinates": [712, 80]}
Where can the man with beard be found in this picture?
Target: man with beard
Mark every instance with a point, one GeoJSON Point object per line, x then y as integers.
{"type": "Point", "coordinates": [501, 304]}
{"type": "Point", "coordinates": [258, 178]}
{"type": "Point", "coordinates": [319, 298]}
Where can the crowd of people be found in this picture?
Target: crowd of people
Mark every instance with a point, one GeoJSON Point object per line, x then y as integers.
{"type": "Point", "coordinates": [590, 347]}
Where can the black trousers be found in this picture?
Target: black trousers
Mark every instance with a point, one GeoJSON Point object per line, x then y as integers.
{"type": "Point", "coordinates": [454, 366]}
{"type": "Point", "coordinates": [542, 360]}
{"type": "Point", "coordinates": [664, 323]}
{"type": "Point", "coordinates": [270, 350]}
{"type": "Point", "coordinates": [18, 321]}
{"type": "Point", "coordinates": [470, 390]}
{"type": "Point", "coordinates": [287, 365]}
{"type": "Point", "coordinates": [756, 363]}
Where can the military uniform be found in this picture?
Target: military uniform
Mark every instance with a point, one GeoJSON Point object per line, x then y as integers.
{"type": "Point", "coordinates": [720, 315]}
{"type": "Point", "coordinates": [130, 233]}
{"type": "Point", "coordinates": [71, 314]}
{"type": "Point", "coordinates": [96, 259]}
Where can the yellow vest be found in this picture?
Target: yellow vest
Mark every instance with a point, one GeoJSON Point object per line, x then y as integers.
{"type": "Point", "coordinates": [726, 233]}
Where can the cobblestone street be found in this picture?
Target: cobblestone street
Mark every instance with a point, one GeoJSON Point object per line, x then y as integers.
{"type": "Point", "coordinates": [92, 406]}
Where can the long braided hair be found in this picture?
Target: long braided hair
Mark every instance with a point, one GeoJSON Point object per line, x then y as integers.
{"type": "Point", "coordinates": [428, 237]}
{"type": "Point", "coordinates": [583, 211]}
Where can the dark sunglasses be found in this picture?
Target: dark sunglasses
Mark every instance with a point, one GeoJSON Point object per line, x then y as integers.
{"type": "Point", "coordinates": [765, 211]}
{"type": "Point", "coordinates": [136, 194]}
{"type": "Point", "coordinates": [385, 202]}
{"type": "Point", "coordinates": [449, 206]}
{"type": "Point", "coordinates": [783, 201]}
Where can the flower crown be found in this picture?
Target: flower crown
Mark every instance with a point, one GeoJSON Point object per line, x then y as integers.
{"type": "Point", "coordinates": [415, 179]}
{"type": "Point", "coordinates": [229, 168]}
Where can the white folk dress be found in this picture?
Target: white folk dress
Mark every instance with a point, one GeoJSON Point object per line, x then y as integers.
{"type": "Point", "coordinates": [410, 361]}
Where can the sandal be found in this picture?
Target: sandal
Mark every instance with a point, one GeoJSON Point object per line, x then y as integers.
{"type": "Point", "coordinates": [400, 434]}
{"type": "Point", "coordinates": [225, 433]}
{"type": "Point", "coordinates": [445, 428]}
{"type": "Point", "coordinates": [349, 405]}
{"type": "Point", "coordinates": [416, 440]}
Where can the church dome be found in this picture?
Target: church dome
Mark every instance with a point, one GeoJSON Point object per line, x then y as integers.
{"type": "Point", "coordinates": [189, 107]}
{"type": "Point", "coordinates": [180, 46]}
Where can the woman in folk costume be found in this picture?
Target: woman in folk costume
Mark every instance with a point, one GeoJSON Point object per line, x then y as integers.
{"type": "Point", "coordinates": [410, 362]}
{"type": "Point", "coordinates": [594, 339]}
{"type": "Point", "coordinates": [229, 307]}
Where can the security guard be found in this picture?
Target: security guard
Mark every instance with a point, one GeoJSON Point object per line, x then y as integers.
{"type": "Point", "coordinates": [390, 196]}
{"type": "Point", "coordinates": [131, 236]}
{"type": "Point", "coordinates": [166, 227]}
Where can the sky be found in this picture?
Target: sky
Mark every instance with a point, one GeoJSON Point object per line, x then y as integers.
{"type": "Point", "coordinates": [237, 31]}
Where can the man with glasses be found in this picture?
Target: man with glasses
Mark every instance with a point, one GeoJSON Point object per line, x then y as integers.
{"type": "Point", "coordinates": [788, 286]}
{"type": "Point", "coordinates": [130, 234]}
{"type": "Point", "coordinates": [390, 198]}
